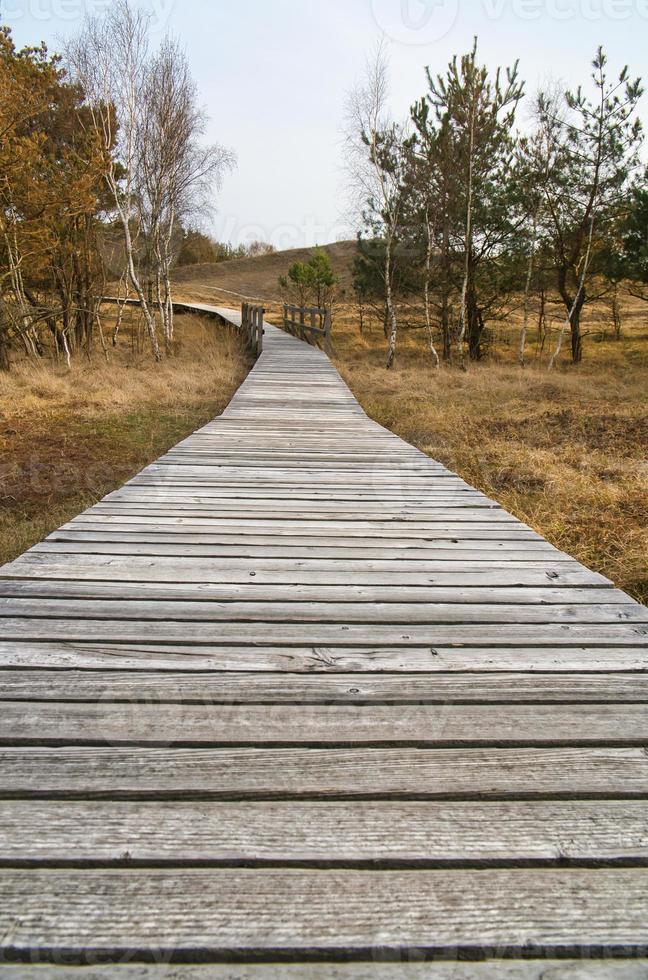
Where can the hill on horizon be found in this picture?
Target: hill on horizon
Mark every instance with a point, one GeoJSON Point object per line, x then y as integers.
{"type": "Point", "coordinates": [257, 277]}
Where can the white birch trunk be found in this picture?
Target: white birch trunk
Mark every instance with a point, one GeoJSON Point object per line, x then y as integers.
{"type": "Point", "coordinates": [527, 293]}
{"type": "Point", "coordinates": [429, 230]}
{"type": "Point", "coordinates": [468, 245]}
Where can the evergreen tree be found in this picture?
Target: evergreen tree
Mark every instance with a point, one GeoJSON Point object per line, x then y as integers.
{"type": "Point", "coordinates": [479, 113]}
{"type": "Point", "coordinates": [313, 281]}
{"type": "Point", "coordinates": [586, 185]}
{"type": "Point", "coordinates": [634, 242]}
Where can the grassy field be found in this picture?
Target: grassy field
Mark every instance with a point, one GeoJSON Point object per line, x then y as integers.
{"type": "Point", "coordinates": [69, 437]}
{"type": "Point", "coordinates": [257, 277]}
{"type": "Point", "coordinates": [565, 451]}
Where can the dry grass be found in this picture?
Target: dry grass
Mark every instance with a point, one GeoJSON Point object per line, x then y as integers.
{"type": "Point", "coordinates": [69, 437]}
{"type": "Point", "coordinates": [258, 277]}
{"type": "Point", "coordinates": [564, 451]}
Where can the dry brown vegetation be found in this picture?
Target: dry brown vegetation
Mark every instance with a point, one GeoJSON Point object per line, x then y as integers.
{"type": "Point", "coordinates": [69, 437]}
{"type": "Point", "coordinates": [257, 277]}
{"type": "Point", "coordinates": [565, 451]}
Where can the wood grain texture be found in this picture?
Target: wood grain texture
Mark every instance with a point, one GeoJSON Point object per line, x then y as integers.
{"type": "Point", "coordinates": [374, 613]}
{"type": "Point", "coordinates": [431, 726]}
{"type": "Point", "coordinates": [96, 653]}
{"type": "Point", "coordinates": [411, 969]}
{"type": "Point", "coordinates": [303, 572]}
{"type": "Point", "coordinates": [541, 969]}
{"type": "Point", "coordinates": [249, 773]}
{"type": "Point", "coordinates": [197, 687]}
{"type": "Point", "coordinates": [411, 833]}
{"type": "Point", "coordinates": [194, 911]}
{"type": "Point", "coordinates": [334, 634]}
{"type": "Point", "coordinates": [248, 592]}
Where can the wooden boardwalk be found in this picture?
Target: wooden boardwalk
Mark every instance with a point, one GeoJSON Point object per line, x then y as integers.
{"type": "Point", "coordinates": [297, 692]}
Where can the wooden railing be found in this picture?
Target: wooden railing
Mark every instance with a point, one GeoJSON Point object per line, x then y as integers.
{"type": "Point", "coordinates": [309, 323]}
{"type": "Point", "coordinates": [252, 326]}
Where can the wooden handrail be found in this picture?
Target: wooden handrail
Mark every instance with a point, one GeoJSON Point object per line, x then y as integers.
{"type": "Point", "coordinates": [252, 326]}
{"type": "Point", "coordinates": [251, 318]}
{"type": "Point", "coordinates": [295, 323]}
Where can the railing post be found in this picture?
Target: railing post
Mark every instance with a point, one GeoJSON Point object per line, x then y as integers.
{"type": "Point", "coordinates": [328, 346]}
{"type": "Point", "coordinates": [259, 337]}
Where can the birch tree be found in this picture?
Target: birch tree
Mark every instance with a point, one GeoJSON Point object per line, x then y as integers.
{"type": "Point", "coordinates": [375, 157]}
{"type": "Point", "coordinates": [433, 186]}
{"type": "Point", "coordinates": [108, 59]}
{"type": "Point", "coordinates": [536, 159]}
{"type": "Point", "coordinates": [176, 174]}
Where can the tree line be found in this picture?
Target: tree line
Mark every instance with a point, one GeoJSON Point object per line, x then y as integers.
{"type": "Point", "coordinates": [464, 217]}
{"type": "Point", "coordinates": [198, 248]}
{"type": "Point", "coordinates": [102, 170]}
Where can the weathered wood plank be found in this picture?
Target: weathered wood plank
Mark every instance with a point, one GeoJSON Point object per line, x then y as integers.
{"type": "Point", "coordinates": [302, 571]}
{"type": "Point", "coordinates": [94, 654]}
{"type": "Point", "coordinates": [248, 773]}
{"type": "Point", "coordinates": [80, 544]}
{"type": "Point", "coordinates": [324, 634]}
{"type": "Point", "coordinates": [312, 688]}
{"type": "Point", "coordinates": [340, 535]}
{"type": "Point", "coordinates": [212, 911]}
{"type": "Point", "coordinates": [539, 969]}
{"type": "Point", "coordinates": [321, 612]}
{"type": "Point", "coordinates": [432, 726]}
{"type": "Point", "coordinates": [248, 592]}
{"type": "Point", "coordinates": [322, 833]}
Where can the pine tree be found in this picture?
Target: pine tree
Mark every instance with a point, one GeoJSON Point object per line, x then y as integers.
{"type": "Point", "coordinates": [479, 112]}
{"type": "Point", "coordinates": [585, 188]}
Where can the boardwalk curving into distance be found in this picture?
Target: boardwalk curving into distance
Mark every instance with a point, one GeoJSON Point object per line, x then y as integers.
{"type": "Point", "coordinates": [297, 692]}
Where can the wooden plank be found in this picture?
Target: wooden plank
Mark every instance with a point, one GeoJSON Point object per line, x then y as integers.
{"type": "Point", "coordinates": [314, 571]}
{"type": "Point", "coordinates": [428, 726]}
{"type": "Point", "coordinates": [458, 516]}
{"type": "Point", "coordinates": [90, 655]}
{"type": "Point", "coordinates": [268, 543]}
{"type": "Point", "coordinates": [328, 634]}
{"type": "Point", "coordinates": [527, 969]}
{"type": "Point", "coordinates": [80, 544]}
{"type": "Point", "coordinates": [221, 911]}
{"type": "Point", "coordinates": [248, 592]}
{"type": "Point", "coordinates": [311, 688]}
{"type": "Point", "coordinates": [293, 773]}
{"type": "Point", "coordinates": [374, 614]}
{"type": "Point", "coordinates": [320, 833]}
{"type": "Point", "coordinates": [223, 530]}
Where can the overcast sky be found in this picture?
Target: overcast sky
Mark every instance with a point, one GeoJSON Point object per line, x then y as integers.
{"type": "Point", "coordinates": [273, 75]}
